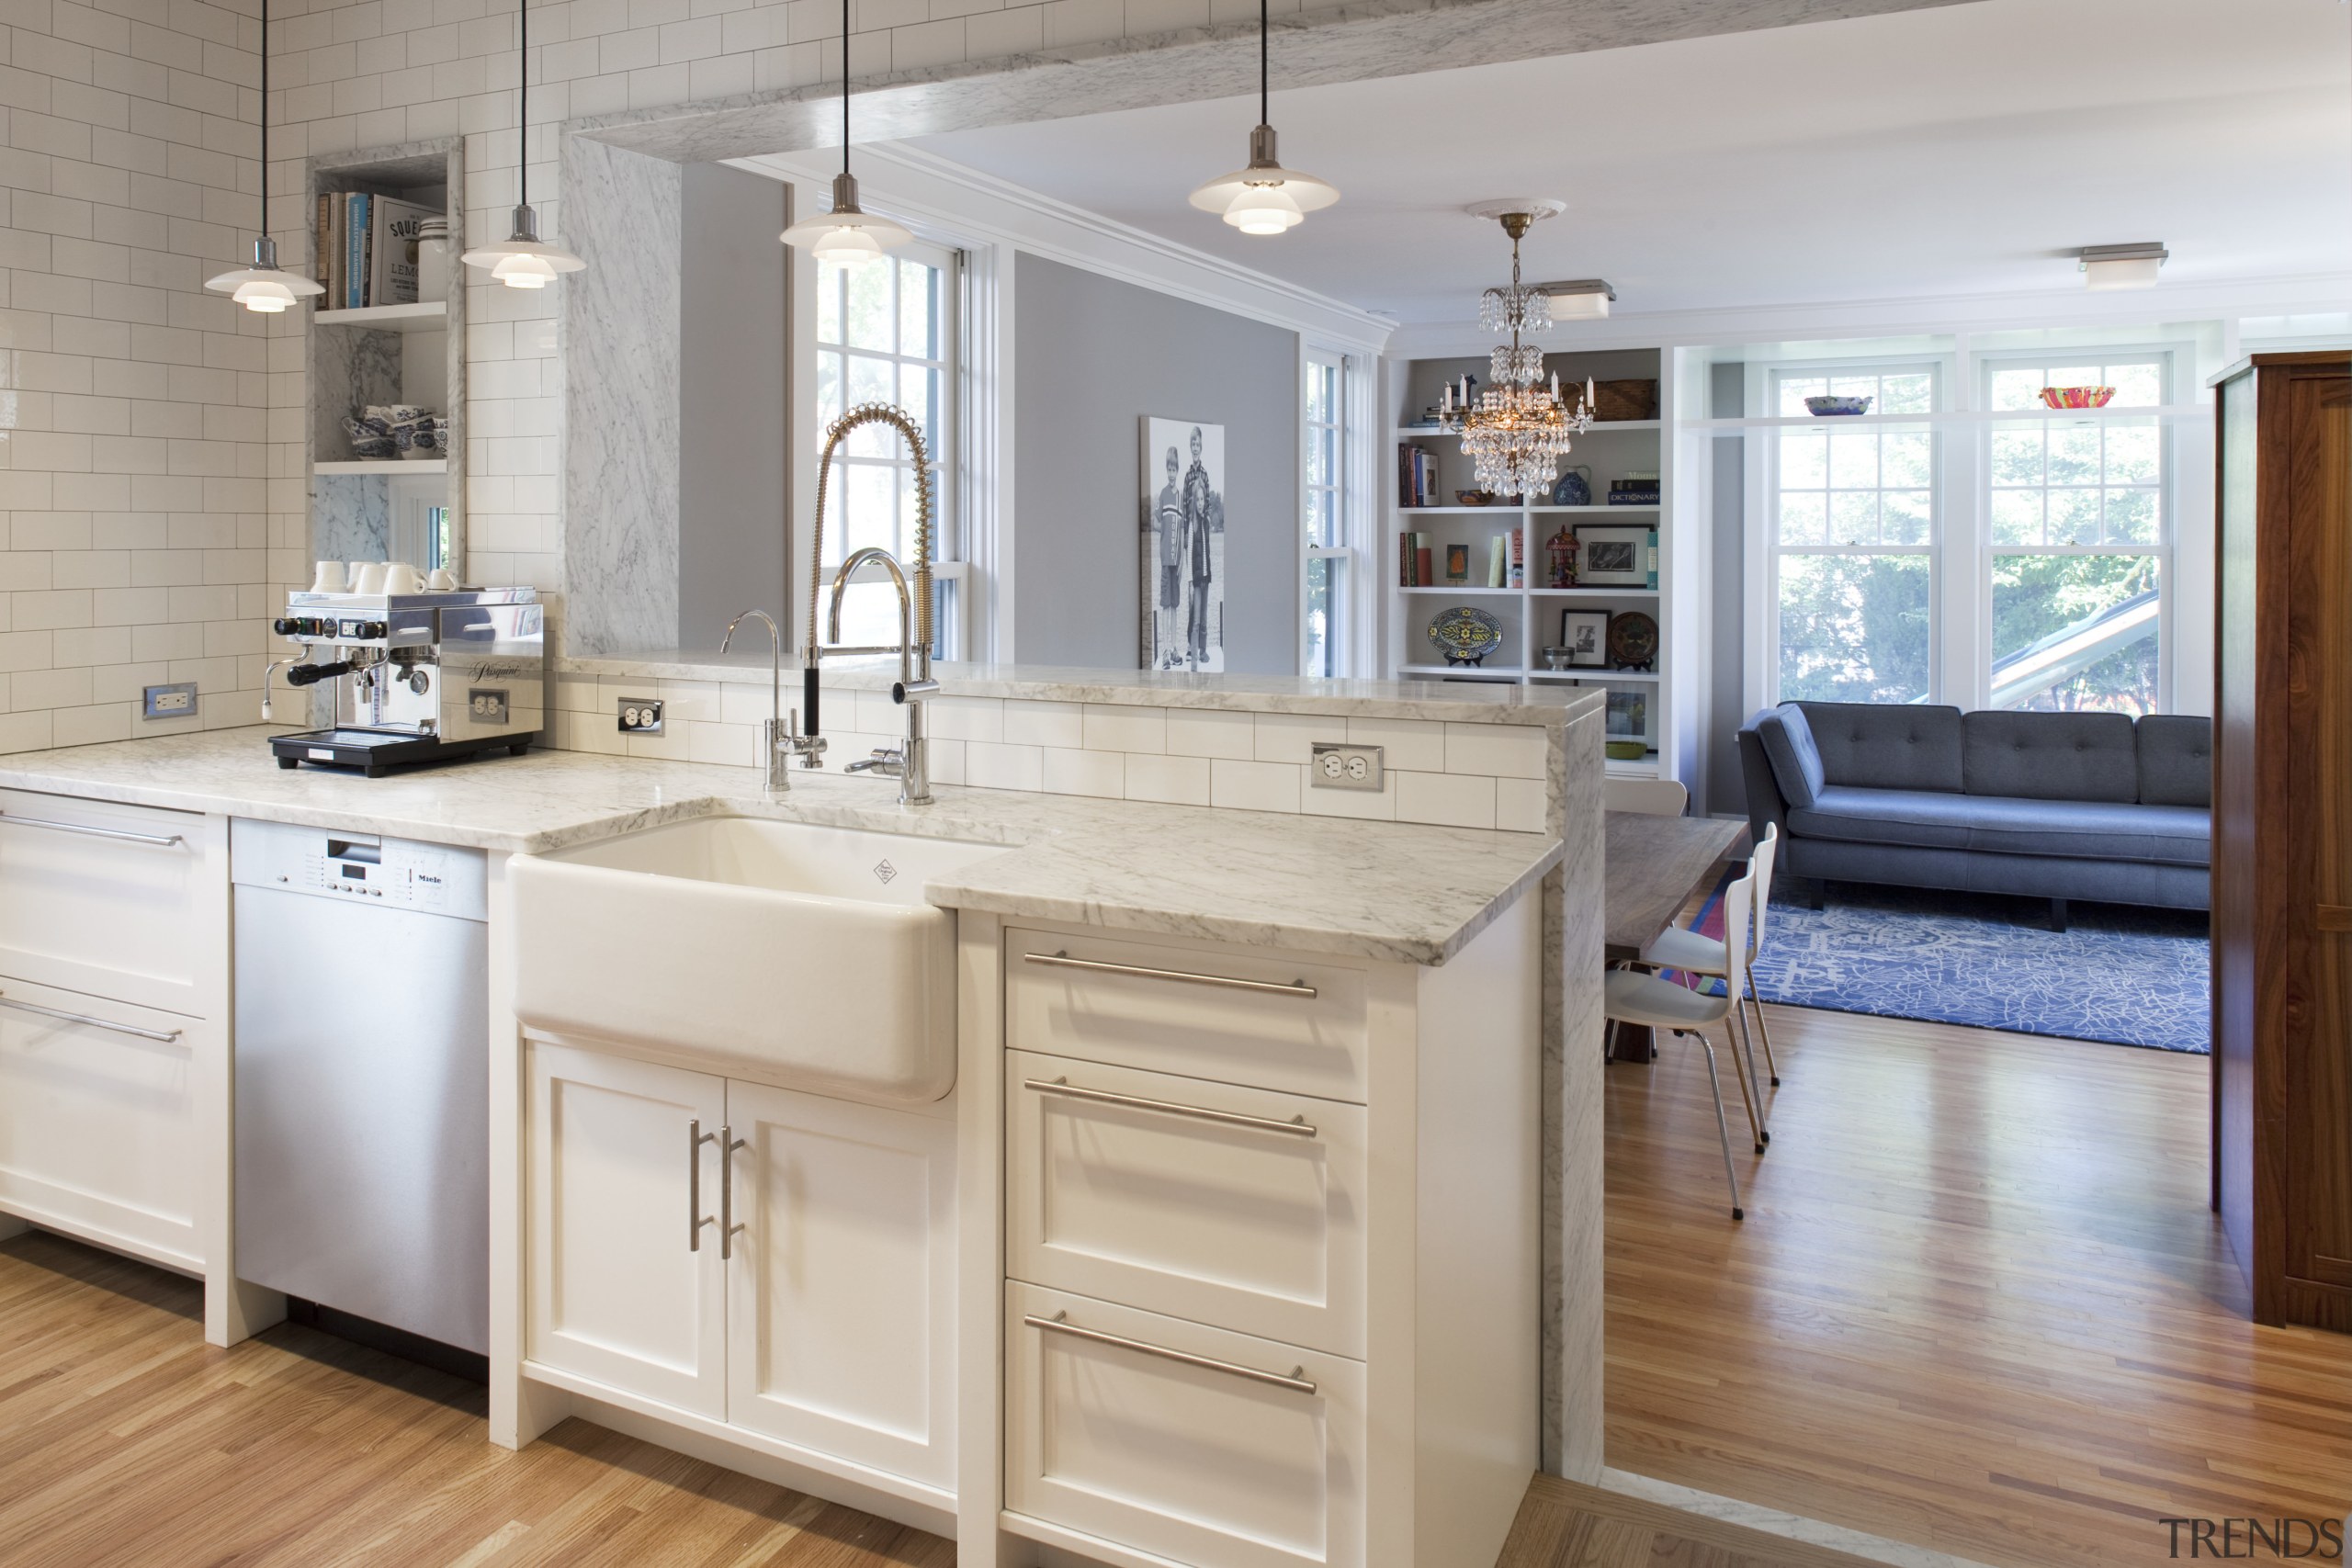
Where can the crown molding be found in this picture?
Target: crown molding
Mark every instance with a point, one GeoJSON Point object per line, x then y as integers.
{"type": "Point", "coordinates": [953, 203]}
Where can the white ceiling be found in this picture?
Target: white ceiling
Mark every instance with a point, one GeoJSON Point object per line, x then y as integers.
{"type": "Point", "coordinates": [1935, 152]}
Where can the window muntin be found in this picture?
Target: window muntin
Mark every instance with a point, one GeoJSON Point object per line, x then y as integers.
{"type": "Point", "coordinates": [1853, 534]}
{"type": "Point", "coordinates": [1327, 572]}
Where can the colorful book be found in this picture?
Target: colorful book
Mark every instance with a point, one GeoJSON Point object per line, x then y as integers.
{"type": "Point", "coordinates": [354, 293]}
{"type": "Point", "coordinates": [392, 236]}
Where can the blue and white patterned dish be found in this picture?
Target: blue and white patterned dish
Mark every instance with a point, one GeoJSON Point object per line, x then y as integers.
{"type": "Point", "coordinates": [1466, 635]}
{"type": "Point", "coordinates": [1822, 408]}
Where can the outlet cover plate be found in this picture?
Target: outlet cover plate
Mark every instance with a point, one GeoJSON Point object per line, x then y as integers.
{"type": "Point", "coordinates": [640, 716]}
{"type": "Point", "coordinates": [1335, 764]}
{"type": "Point", "coordinates": [486, 704]}
{"type": "Point", "coordinates": [177, 701]}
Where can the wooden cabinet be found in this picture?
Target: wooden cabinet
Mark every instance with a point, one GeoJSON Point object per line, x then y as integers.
{"type": "Point", "coordinates": [2282, 834]}
{"type": "Point", "coordinates": [776, 1261]}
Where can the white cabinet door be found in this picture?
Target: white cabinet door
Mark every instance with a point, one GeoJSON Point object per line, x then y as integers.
{"type": "Point", "coordinates": [626, 1285]}
{"type": "Point", "coordinates": [98, 1120]}
{"type": "Point", "coordinates": [105, 900]}
{"type": "Point", "coordinates": [843, 1294]}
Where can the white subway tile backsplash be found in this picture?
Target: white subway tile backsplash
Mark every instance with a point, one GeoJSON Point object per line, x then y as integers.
{"type": "Point", "coordinates": [1255, 786]}
{"type": "Point", "coordinates": [1416, 745]}
{"type": "Point", "coordinates": [1503, 751]}
{"type": "Point", "coordinates": [1211, 732]}
{"type": "Point", "coordinates": [1446, 800]}
{"type": "Point", "coordinates": [989, 765]}
{"type": "Point", "coordinates": [1286, 737]}
{"type": "Point", "coordinates": [1066, 772]}
{"type": "Point", "coordinates": [1110, 727]}
{"type": "Point", "coordinates": [1171, 781]}
{"type": "Point", "coordinates": [1368, 805]}
{"type": "Point", "coordinates": [966, 718]}
{"type": "Point", "coordinates": [1044, 724]}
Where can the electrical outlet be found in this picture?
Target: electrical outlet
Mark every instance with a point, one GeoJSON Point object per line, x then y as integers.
{"type": "Point", "coordinates": [486, 704]}
{"type": "Point", "coordinates": [171, 702]}
{"type": "Point", "coordinates": [1334, 764]}
{"type": "Point", "coordinates": [640, 716]}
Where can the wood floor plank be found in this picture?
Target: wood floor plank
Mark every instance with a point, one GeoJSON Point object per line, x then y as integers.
{"type": "Point", "coordinates": [1978, 1303]}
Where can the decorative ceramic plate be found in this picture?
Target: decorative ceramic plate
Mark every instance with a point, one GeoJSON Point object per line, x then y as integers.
{"type": "Point", "coordinates": [1466, 636]}
{"type": "Point", "coordinates": [1822, 407]}
{"type": "Point", "coordinates": [2076, 396]}
{"type": "Point", "coordinates": [1632, 639]}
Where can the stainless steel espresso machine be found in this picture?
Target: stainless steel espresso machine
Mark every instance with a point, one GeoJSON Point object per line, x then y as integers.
{"type": "Point", "coordinates": [417, 677]}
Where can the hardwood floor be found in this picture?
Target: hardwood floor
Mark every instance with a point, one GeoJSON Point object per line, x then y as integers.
{"type": "Point", "coordinates": [1978, 1305]}
{"type": "Point", "coordinates": [127, 1442]}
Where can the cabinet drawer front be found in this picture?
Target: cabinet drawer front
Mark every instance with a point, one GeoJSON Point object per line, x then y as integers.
{"type": "Point", "coordinates": [1202, 1200]}
{"type": "Point", "coordinates": [1192, 1459]}
{"type": "Point", "coordinates": [104, 898]}
{"type": "Point", "coordinates": [1224, 1014]}
{"type": "Point", "coordinates": [624, 1286]}
{"type": "Point", "coordinates": [98, 1121]}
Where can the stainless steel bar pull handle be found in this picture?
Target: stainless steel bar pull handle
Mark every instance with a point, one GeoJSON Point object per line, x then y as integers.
{"type": "Point", "coordinates": [161, 840]}
{"type": "Point", "coordinates": [1298, 1127]}
{"type": "Point", "coordinates": [1063, 961]}
{"type": "Point", "coordinates": [695, 1218]}
{"type": "Point", "coordinates": [164, 1035]}
{"type": "Point", "coordinates": [728, 1144]}
{"type": "Point", "coordinates": [1059, 1324]}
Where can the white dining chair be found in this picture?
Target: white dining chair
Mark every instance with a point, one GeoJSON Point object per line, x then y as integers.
{"type": "Point", "coordinates": [1636, 996]}
{"type": "Point", "coordinates": [1651, 798]}
{"type": "Point", "coordinates": [1680, 948]}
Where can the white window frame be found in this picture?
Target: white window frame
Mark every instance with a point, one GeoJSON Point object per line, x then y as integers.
{"type": "Point", "coordinates": [2167, 360]}
{"type": "Point", "coordinates": [1350, 637]}
{"type": "Point", "coordinates": [953, 517]}
{"type": "Point", "coordinates": [1763, 509]}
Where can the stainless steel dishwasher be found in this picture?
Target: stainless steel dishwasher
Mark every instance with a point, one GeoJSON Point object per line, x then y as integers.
{"type": "Point", "coordinates": [363, 1076]}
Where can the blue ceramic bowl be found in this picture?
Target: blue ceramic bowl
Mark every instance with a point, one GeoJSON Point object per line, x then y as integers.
{"type": "Point", "coordinates": [1824, 407]}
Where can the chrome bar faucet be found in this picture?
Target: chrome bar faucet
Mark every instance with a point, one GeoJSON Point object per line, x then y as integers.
{"type": "Point", "coordinates": [779, 743]}
{"type": "Point", "coordinates": [911, 764]}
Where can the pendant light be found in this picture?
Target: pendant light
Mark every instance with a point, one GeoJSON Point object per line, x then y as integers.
{"type": "Point", "coordinates": [1265, 197]}
{"type": "Point", "coordinates": [264, 288]}
{"type": "Point", "coordinates": [524, 261]}
{"type": "Point", "coordinates": [848, 233]}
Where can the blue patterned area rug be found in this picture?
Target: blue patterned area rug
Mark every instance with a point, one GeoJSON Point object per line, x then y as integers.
{"type": "Point", "coordinates": [2127, 976]}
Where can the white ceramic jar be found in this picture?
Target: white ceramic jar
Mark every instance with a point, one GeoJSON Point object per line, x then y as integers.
{"type": "Point", "coordinates": [433, 259]}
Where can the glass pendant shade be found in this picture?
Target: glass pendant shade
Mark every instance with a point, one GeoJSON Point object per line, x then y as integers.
{"type": "Point", "coordinates": [1265, 197]}
{"type": "Point", "coordinates": [1516, 430]}
{"type": "Point", "coordinates": [524, 260]}
{"type": "Point", "coordinates": [847, 234]}
{"type": "Point", "coordinates": [264, 288]}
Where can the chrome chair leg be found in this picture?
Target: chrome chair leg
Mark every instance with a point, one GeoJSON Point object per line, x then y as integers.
{"type": "Point", "coordinates": [1761, 1027]}
{"type": "Point", "coordinates": [1722, 1127]}
{"type": "Point", "coordinates": [1747, 1097]}
{"type": "Point", "coordinates": [1745, 1046]}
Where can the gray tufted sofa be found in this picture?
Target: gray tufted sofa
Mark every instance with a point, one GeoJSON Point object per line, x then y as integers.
{"type": "Point", "coordinates": [2056, 806]}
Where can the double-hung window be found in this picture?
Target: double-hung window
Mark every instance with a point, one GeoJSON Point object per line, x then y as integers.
{"type": "Point", "coordinates": [887, 331]}
{"type": "Point", "coordinates": [2078, 540]}
{"type": "Point", "coordinates": [1852, 537]}
{"type": "Point", "coordinates": [1327, 568]}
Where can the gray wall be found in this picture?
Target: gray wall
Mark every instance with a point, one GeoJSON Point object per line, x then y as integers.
{"type": "Point", "coordinates": [1092, 357]}
{"type": "Point", "coordinates": [732, 434]}
{"type": "Point", "coordinates": [1721, 700]}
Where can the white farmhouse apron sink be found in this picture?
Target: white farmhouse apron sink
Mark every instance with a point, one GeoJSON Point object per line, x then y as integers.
{"type": "Point", "coordinates": [785, 951]}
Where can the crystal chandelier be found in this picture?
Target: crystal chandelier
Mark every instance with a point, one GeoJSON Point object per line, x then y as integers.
{"type": "Point", "coordinates": [1516, 431]}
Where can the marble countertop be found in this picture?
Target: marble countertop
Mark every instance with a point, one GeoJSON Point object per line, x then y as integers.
{"type": "Point", "coordinates": [1389, 891]}
{"type": "Point", "coordinates": [1459, 702]}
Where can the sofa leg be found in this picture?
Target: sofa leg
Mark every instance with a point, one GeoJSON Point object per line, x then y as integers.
{"type": "Point", "coordinates": [2057, 914]}
{"type": "Point", "coordinates": [1805, 890]}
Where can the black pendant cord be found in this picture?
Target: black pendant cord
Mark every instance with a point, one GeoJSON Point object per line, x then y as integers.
{"type": "Point", "coordinates": [844, 86]}
{"type": "Point", "coordinates": [1265, 26]}
{"type": "Point", "coordinates": [522, 108]}
{"type": "Point", "coordinates": [264, 118]}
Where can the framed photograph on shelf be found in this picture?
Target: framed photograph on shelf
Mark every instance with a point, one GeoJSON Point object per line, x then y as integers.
{"type": "Point", "coordinates": [1457, 563]}
{"type": "Point", "coordinates": [1584, 634]}
{"type": "Point", "coordinates": [1629, 715]}
{"type": "Point", "coordinates": [1611, 555]}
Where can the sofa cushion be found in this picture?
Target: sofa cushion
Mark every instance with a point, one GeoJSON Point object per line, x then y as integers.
{"type": "Point", "coordinates": [1930, 820]}
{"type": "Point", "coordinates": [1887, 744]}
{"type": "Point", "coordinates": [2051, 756]}
{"type": "Point", "coordinates": [2175, 760]}
{"type": "Point", "coordinates": [1788, 745]}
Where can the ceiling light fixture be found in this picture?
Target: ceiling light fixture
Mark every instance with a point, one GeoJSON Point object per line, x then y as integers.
{"type": "Point", "coordinates": [2120, 266]}
{"type": "Point", "coordinates": [524, 261]}
{"type": "Point", "coordinates": [1265, 197]}
{"type": "Point", "coordinates": [264, 288]}
{"type": "Point", "coordinates": [848, 233]}
{"type": "Point", "coordinates": [1516, 431]}
{"type": "Point", "coordinates": [1586, 299]}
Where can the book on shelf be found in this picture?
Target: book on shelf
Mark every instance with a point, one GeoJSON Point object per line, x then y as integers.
{"type": "Point", "coordinates": [364, 249]}
{"type": "Point", "coordinates": [1416, 476]}
{"type": "Point", "coordinates": [1413, 557]}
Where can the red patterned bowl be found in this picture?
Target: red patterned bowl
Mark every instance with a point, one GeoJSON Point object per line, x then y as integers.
{"type": "Point", "coordinates": [2076, 396]}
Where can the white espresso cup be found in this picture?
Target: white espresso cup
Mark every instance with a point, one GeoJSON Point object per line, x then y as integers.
{"type": "Point", "coordinates": [332, 578]}
{"type": "Point", "coordinates": [402, 578]}
{"type": "Point", "coordinates": [443, 581]}
{"type": "Point", "coordinates": [371, 578]}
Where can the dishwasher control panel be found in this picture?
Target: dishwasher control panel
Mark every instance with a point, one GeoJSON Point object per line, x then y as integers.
{"type": "Point", "coordinates": [360, 868]}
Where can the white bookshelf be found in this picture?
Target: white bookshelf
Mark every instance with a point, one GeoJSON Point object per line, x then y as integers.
{"type": "Point", "coordinates": [1531, 615]}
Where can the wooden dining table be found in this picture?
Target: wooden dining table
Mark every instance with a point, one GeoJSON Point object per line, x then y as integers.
{"type": "Point", "coordinates": [1655, 866]}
